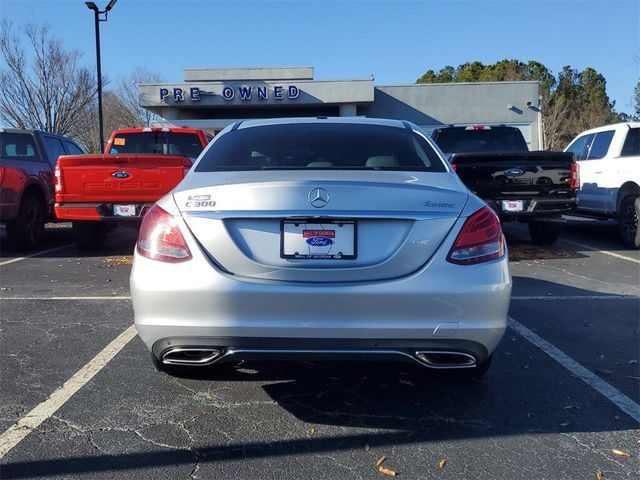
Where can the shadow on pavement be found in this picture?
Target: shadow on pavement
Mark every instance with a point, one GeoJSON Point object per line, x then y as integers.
{"type": "Point", "coordinates": [120, 241]}
{"type": "Point", "coordinates": [404, 404]}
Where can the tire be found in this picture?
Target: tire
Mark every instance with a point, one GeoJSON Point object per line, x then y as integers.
{"type": "Point", "coordinates": [544, 233]}
{"type": "Point", "coordinates": [628, 221]}
{"type": "Point", "coordinates": [89, 235]}
{"type": "Point", "coordinates": [27, 230]}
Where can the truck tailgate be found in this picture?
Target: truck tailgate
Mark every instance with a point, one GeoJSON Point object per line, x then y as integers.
{"type": "Point", "coordinates": [521, 175]}
{"type": "Point", "coordinates": [117, 178]}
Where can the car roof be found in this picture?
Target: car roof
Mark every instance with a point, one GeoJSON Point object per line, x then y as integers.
{"type": "Point", "coordinates": [387, 122]}
{"type": "Point", "coordinates": [465, 127]}
{"type": "Point", "coordinates": [29, 131]}
{"type": "Point", "coordinates": [156, 129]}
{"type": "Point", "coordinates": [609, 127]}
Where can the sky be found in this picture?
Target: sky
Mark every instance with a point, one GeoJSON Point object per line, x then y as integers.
{"type": "Point", "coordinates": [395, 41]}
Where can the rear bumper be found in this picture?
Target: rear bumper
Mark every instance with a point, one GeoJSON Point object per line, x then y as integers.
{"type": "Point", "coordinates": [234, 349]}
{"type": "Point", "coordinates": [98, 211]}
{"type": "Point", "coordinates": [537, 207]}
{"type": "Point", "coordinates": [442, 307]}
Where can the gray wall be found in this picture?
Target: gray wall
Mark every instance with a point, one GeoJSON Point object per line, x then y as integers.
{"type": "Point", "coordinates": [462, 103]}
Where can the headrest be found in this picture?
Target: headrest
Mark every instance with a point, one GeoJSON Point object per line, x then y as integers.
{"type": "Point", "coordinates": [21, 148]}
{"type": "Point", "coordinates": [319, 164]}
{"type": "Point", "coordinates": [382, 161]}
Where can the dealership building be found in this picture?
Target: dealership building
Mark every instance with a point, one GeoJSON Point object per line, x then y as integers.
{"type": "Point", "coordinates": [212, 98]}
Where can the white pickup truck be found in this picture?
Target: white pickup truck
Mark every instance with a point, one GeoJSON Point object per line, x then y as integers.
{"type": "Point", "coordinates": [609, 159]}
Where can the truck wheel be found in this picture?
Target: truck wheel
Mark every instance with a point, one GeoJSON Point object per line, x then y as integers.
{"type": "Point", "coordinates": [89, 235]}
{"type": "Point", "coordinates": [27, 230]}
{"type": "Point", "coordinates": [544, 233]}
{"type": "Point", "coordinates": [628, 221]}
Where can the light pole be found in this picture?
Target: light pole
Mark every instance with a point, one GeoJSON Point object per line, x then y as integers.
{"type": "Point", "coordinates": [97, 13]}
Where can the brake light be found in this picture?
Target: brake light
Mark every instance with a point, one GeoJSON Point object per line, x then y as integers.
{"type": "Point", "coordinates": [575, 176]}
{"type": "Point", "coordinates": [479, 240]}
{"type": "Point", "coordinates": [160, 238]}
{"type": "Point", "coordinates": [1, 174]}
{"type": "Point", "coordinates": [478, 127]}
{"type": "Point", "coordinates": [57, 179]}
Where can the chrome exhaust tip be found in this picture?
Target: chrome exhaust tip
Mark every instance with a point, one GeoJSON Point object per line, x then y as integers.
{"type": "Point", "coordinates": [191, 356]}
{"type": "Point", "coordinates": [440, 359]}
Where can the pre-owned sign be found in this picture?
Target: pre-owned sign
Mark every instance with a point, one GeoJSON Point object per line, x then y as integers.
{"type": "Point", "coordinates": [244, 92]}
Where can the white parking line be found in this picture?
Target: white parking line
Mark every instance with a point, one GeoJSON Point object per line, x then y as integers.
{"type": "Point", "coordinates": [43, 252]}
{"type": "Point", "coordinates": [516, 297]}
{"type": "Point", "coordinates": [604, 252]}
{"type": "Point", "coordinates": [19, 430]}
{"type": "Point", "coordinates": [114, 297]}
{"type": "Point", "coordinates": [576, 297]}
{"type": "Point", "coordinates": [618, 398]}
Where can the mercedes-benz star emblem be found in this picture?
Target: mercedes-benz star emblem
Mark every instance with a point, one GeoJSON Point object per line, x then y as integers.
{"type": "Point", "coordinates": [318, 197]}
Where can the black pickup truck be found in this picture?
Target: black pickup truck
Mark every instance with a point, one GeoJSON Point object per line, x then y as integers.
{"type": "Point", "coordinates": [495, 163]}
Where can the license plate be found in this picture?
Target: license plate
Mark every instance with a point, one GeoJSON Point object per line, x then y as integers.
{"type": "Point", "coordinates": [124, 210]}
{"type": "Point", "coordinates": [512, 205]}
{"type": "Point", "coordinates": [318, 240]}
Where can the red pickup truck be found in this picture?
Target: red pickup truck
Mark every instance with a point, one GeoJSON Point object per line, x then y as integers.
{"type": "Point", "coordinates": [139, 166]}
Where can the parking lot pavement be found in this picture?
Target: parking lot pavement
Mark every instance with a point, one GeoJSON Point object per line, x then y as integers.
{"type": "Point", "coordinates": [530, 417]}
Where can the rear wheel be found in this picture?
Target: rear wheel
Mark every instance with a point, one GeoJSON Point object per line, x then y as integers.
{"type": "Point", "coordinates": [89, 235]}
{"type": "Point", "coordinates": [27, 230]}
{"type": "Point", "coordinates": [628, 221]}
{"type": "Point", "coordinates": [544, 233]}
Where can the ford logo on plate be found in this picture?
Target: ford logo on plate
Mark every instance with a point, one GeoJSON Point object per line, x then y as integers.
{"type": "Point", "coordinates": [514, 172]}
{"type": "Point", "coordinates": [319, 241]}
{"type": "Point", "coordinates": [120, 174]}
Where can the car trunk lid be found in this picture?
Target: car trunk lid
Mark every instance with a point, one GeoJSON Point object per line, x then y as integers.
{"type": "Point", "coordinates": [397, 219]}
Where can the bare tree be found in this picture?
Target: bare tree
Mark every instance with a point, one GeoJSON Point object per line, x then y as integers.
{"type": "Point", "coordinates": [127, 90]}
{"type": "Point", "coordinates": [49, 89]}
{"type": "Point", "coordinates": [88, 135]}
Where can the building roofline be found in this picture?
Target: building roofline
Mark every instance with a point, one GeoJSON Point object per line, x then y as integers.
{"type": "Point", "coordinates": [503, 82]}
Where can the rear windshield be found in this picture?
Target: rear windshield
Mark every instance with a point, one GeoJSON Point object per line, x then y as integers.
{"type": "Point", "coordinates": [18, 146]}
{"type": "Point", "coordinates": [159, 143]}
{"type": "Point", "coordinates": [460, 140]}
{"type": "Point", "coordinates": [324, 146]}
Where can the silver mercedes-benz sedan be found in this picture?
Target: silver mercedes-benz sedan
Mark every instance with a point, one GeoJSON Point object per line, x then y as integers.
{"type": "Point", "coordinates": [321, 238]}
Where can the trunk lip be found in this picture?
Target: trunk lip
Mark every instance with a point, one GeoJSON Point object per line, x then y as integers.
{"type": "Point", "coordinates": [444, 181]}
{"type": "Point", "coordinates": [306, 214]}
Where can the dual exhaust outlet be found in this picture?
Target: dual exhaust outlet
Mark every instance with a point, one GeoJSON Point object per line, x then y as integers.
{"type": "Point", "coordinates": [203, 356]}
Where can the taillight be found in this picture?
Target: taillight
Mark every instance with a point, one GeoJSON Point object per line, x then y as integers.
{"type": "Point", "coordinates": [1, 174]}
{"type": "Point", "coordinates": [479, 240]}
{"type": "Point", "coordinates": [58, 179]}
{"type": "Point", "coordinates": [160, 238]}
{"type": "Point", "coordinates": [575, 176]}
